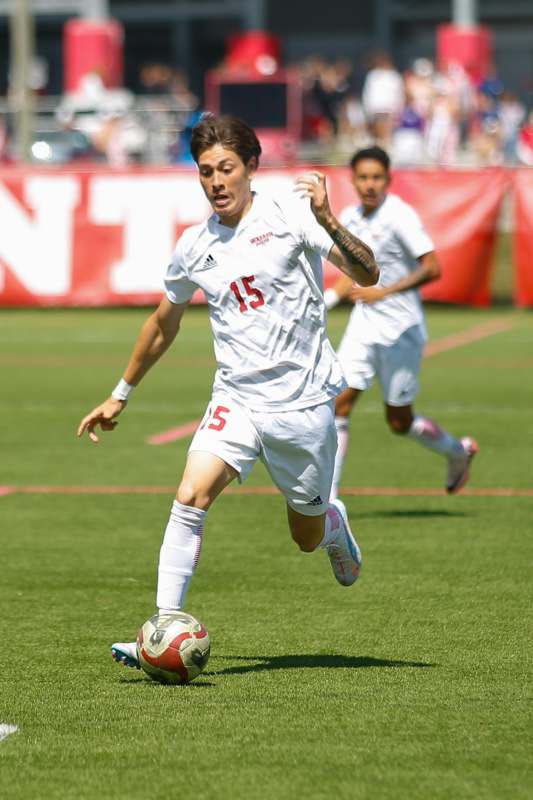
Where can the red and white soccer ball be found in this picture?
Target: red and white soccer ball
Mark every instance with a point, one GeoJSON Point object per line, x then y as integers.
{"type": "Point", "coordinates": [173, 648]}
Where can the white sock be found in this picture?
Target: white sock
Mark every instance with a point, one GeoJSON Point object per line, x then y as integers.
{"type": "Point", "coordinates": [426, 432]}
{"type": "Point", "coordinates": [179, 555]}
{"type": "Point", "coordinates": [333, 526]}
{"type": "Point", "coordinates": [343, 433]}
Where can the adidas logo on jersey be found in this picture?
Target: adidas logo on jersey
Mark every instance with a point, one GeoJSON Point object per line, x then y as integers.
{"type": "Point", "coordinates": [316, 501]}
{"type": "Point", "coordinates": [210, 262]}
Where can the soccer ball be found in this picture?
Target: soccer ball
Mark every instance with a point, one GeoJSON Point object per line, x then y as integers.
{"type": "Point", "coordinates": [173, 648]}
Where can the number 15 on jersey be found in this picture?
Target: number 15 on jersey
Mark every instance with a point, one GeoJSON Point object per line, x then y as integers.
{"type": "Point", "coordinates": [250, 291]}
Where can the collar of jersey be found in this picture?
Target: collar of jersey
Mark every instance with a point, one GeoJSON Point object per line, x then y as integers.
{"type": "Point", "coordinates": [248, 218]}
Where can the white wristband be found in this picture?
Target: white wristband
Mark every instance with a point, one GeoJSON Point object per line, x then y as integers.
{"type": "Point", "coordinates": [331, 298]}
{"type": "Point", "coordinates": [122, 390]}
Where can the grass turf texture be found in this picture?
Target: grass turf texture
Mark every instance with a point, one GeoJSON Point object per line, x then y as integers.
{"type": "Point", "coordinates": [412, 684]}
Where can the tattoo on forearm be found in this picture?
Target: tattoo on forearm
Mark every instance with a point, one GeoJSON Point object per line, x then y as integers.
{"type": "Point", "coordinates": [354, 250]}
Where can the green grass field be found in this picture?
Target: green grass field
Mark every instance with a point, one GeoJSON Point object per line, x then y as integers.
{"type": "Point", "coordinates": [415, 683]}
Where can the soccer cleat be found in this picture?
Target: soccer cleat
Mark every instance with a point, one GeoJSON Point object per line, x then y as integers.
{"type": "Point", "coordinates": [344, 554]}
{"type": "Point", "coordinates": [125, 653]}
{"type": "Point", "coordinates": [459, 466]}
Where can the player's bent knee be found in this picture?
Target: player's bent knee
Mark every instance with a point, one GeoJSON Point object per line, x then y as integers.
{"type": "Point", "coordinates": [189, 495]}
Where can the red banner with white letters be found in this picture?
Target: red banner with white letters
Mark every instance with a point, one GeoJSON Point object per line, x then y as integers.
{"type": "Point", "coordinates": [523, 236]}
{"type": "Point", "coordinates": [105, 237]}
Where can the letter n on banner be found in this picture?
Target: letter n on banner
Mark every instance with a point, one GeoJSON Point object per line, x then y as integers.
{"type": "Point", "coordinates": [460, 210]}
{"type": "Point", "coordinates": [523, 237]}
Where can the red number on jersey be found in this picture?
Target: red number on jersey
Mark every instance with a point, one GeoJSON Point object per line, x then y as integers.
{"type": "Point", "coordinates": [251, 291]}
{"type": "Point", "coordinates": [235, 289]}
{"type": "Point", "coordinates": [220, 421]}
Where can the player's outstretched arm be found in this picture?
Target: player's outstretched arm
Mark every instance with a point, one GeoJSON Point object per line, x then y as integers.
{"type": "Point", "coordinates": [428, 270]}
{"type": "Point", "coordinates": [348, 253]}
{"type": "Point", "coordinates": [157, 334]}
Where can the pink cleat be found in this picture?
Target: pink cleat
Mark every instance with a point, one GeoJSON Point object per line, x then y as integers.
{"type": "Point", "coordinates": [459, 466]}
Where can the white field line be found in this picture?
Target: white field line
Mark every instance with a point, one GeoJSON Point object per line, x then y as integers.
{"type": "Point", "coordinates": [6, 730]}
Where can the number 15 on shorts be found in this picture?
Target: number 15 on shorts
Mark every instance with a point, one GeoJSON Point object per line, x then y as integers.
{"type": "Point", "coordinates": [217, 418]}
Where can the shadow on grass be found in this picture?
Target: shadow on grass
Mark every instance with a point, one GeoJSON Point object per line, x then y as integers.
{"type": "Point", "coordinates": [410, 514]}
{"type": "Point", "coordinates": [141, 679]}
{"type": "Point", "coordinates": [312, 662]}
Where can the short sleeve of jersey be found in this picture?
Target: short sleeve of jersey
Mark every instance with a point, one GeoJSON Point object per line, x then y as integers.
{"type": "Point", "coordinates": [178, 287]}
{"type": "Point", "coordinates": [410, 231]}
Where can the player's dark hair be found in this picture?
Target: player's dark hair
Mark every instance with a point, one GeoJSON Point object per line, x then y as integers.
{"type": "Point", "coordinates": [375, 153]}
{"type": "Point", "coordinates": [230, 132]}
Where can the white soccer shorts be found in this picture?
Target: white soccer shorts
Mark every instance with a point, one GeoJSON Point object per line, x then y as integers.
{"type": "Point", "coordinates": [297, 447]}
{"type": "Point", "coordinates": [397, 366]}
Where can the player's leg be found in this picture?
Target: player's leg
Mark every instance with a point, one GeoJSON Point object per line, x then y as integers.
{"type": "Point", "coordinates": [458, 452]}
{"type": "Point", "coordinates": [358, 364]}
{"type": "Point", "coordinates": [343, 408]}
{"type": "Point", "coordinates": [205, 477]}
{"type": "Point", "coordinates": [299, 453]}
{"type": "Point", "coordinates": [225, 447]}
{"type": "Point", "coordinates": [398, 370]}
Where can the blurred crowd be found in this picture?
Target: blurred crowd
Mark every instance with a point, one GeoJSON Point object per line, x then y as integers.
{"type": "Point", "coordinates": [421, 116]}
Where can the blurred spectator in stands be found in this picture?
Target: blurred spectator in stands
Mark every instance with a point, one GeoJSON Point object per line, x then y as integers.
{"type": "Point", "coordinates": [449, 108]}
{"type": "Point", "coordinates": [155, 79]}
{"type": "Point", "coordinates": [420, 87]}
{"type": "Point", "coordinates": [352, 129]}
{"type": "Point", "coordinates": [486, 132]}
{"type": "Point", "coordinates": [181, 91]}
{"type": "Point", "coordinates": [108, 139]}
{"type": "Point", "coordinates": [119, 137]}
{"type": "Point", "coordinates": [382, 98]}
{"type": "Point", "coordinates": [180, 151]}
{"type": "Point", "coordinates": [316, 124]}
{"type": "Point", "coordinates": [4, 138]}
{"type": "Point", "coordinates": [408, 146]}
{"type": "Point", "coordinates": [512, 116]}
{"type": "Point", "coordinates": [524, 145]}
{"type": "Point", "coordinates": [491, 84]}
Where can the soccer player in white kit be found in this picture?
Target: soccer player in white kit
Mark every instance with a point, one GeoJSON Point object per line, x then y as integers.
{"type": "Point", "coordinates": [258, 261]}
{"type": "Point", "coordinates": [386, 333]}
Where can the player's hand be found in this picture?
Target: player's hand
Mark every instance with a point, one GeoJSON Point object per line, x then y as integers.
{"type": "Point", "coordinates": [368, 294]}
{"type": "Point", "coordinates": [313, 185]}
{"type": "Point", "coordinates": [103, 415]}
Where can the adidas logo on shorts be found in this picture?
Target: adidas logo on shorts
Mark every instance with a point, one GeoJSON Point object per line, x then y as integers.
{"type": "Point", "coordinates": [210, 262]}
{"type": "Point", "coordinates": [316, 501]}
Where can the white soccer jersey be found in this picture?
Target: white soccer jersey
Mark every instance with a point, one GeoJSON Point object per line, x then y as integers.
{"type": "Point", "coordinates": [263, 284]}
{"type": "Point", "coordinates": [397, 237]}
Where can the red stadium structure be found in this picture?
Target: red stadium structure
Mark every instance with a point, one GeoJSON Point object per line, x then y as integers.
{"type": "Point", "coordinates": [92, 46]}
{"type": "Point", "coordinates": [469, 46]}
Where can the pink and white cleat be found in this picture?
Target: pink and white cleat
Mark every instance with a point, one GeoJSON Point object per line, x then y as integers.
{"type": "Point", "coordinates": [344, 554]}
{"type": "Point", "coordinates": [459, 466]}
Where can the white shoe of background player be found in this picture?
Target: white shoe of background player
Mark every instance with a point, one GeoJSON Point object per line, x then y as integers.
{"type": "Point", "coordinates": [125, 653]}
{"type": "Point", "coordinates": [459, 466]}
{"type": "Point", "coordinates": [344, 553]}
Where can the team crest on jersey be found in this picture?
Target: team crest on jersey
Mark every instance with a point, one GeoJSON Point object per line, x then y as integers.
{"type": "Point", "coordinates": [316, 501]}
{"type": "Point", "coordinates": [263, 238]}
{"type": "Point", "coordinates": [209, 262]}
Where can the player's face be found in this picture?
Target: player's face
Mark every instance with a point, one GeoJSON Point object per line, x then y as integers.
{"type": "Point", "coordinates": [371, 181]}
{"type": "Point", "coordinates": [226, 180]}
